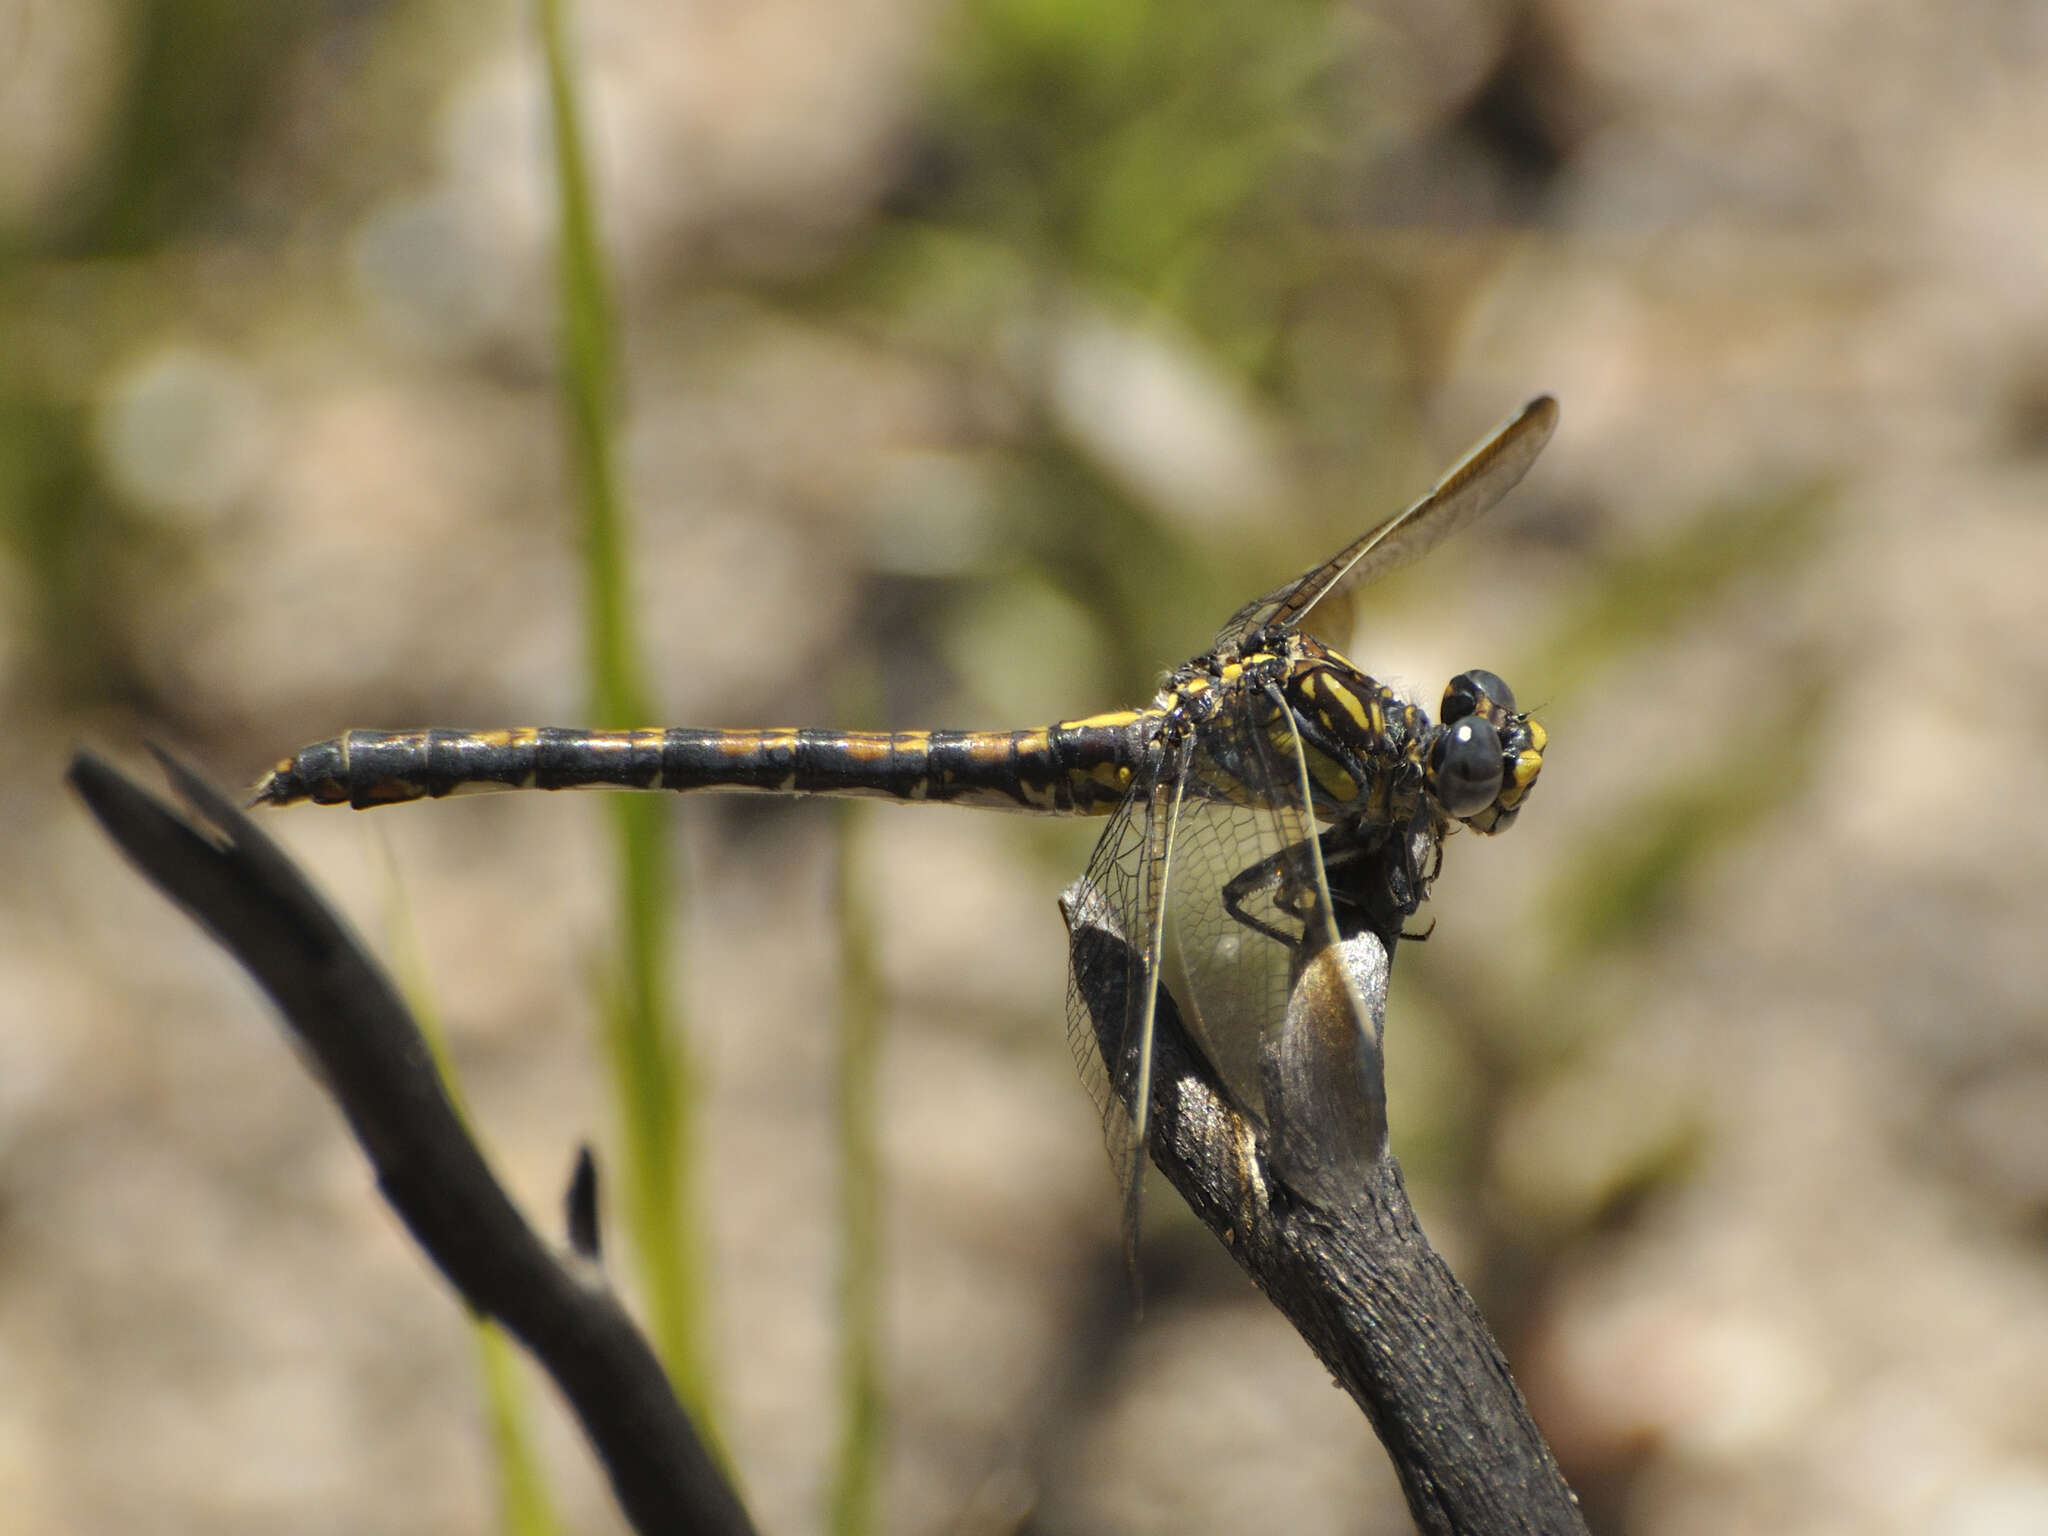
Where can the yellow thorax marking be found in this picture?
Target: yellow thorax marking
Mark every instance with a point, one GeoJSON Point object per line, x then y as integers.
{"type": "Point", "coordinates": [1326, 688]}
{"type": "Point", "coordinates": [1330, 776]}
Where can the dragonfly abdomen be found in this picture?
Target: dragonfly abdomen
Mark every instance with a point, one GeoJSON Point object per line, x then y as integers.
{"type": "Point", "coordinates": [1077, 767]}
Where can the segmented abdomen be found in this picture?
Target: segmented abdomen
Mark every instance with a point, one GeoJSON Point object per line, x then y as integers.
{"type": "Point", "coordinates": [1078, 767]}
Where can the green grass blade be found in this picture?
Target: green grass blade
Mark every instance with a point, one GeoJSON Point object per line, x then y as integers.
{"type": "Point", "coordinates": [858, 1470]}
{"type": "Point", "coordinates": [523, 1501]}
{"type": "Point", "coordinates": [651, 1079]}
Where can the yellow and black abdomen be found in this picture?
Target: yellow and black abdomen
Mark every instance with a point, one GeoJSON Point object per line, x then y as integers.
{"type": "Point", "coordinates": [1079, 767]}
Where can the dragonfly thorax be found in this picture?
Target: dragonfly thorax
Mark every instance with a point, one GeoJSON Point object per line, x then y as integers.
{"type": "Point", "coordinates": [1370, 752]}
{"type": "Point", "coordinates": [1361, 742]}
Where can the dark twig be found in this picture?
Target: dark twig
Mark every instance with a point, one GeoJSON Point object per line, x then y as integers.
{"type": "Point", "coordinates": [579, 1208]}
{"type": "Point", "coordinates": [372, 1059]}
{"type": "Point", "coordinates": [1333, 1241]}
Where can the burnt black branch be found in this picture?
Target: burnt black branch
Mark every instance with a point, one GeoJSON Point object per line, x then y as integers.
{"type": "Point", "coordinates": [349, 1021]}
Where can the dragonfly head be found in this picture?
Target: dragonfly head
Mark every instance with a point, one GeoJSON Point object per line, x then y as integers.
{"type": "Point", "coordinates": [1486, 755]}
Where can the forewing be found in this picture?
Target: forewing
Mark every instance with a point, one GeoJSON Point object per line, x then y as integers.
{"type": "Point", "coordinates": [1468, 491]}
{"type": "Point", "coordinates": [1124, 892]}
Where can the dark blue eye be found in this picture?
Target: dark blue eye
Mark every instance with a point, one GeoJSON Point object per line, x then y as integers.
{"type": "Point", "coordinates": [1477, 692]}
{"type": "Point", "coordinates": [1466, 766]}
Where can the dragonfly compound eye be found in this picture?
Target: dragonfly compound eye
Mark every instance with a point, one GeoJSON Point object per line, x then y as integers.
{"type": "Point", "coordinates": [1477, 692]}
{"type": "Point", "coordinates": [1466, 767]}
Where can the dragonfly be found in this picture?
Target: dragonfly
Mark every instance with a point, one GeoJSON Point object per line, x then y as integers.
{"type": "Point", "coordinates": [1248, 804]}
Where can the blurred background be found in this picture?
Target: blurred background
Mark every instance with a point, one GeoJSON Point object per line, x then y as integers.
{"type": "Point", "coordinates": [980, 359]}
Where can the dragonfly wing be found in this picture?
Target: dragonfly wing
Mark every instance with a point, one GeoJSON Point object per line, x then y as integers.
{"type": "Point", "coordinates": [1471, 488]}
{"type": "Point", "coordinates": [1289, 1020]}
{"type": "Point", "coordinates": [1110, 1018]}
{"type": "Point", "coordinates": [1230, 978]}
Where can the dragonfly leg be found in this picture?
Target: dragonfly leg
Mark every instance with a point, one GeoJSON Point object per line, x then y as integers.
{"type": "Point", "coordinates": [1287, 881]}
{"type": "Point", "coordinates": [1277, 877]}
{"type": "Point", "coordinates": [1376, 887]}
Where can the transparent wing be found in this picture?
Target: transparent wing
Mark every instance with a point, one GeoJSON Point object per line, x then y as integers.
{"type": "Point", "coordinates": [1211, 879]}
{"type": "Point", "coordinates": [1468, 491]}
{"type": "Point", "coordinates": [1250, 902]}
{"type": "Point", "coordinates": [1124, 892]}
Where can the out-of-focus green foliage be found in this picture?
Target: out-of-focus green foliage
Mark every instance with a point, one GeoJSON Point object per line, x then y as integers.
{"type": "Point", "coordinates": [1126, 140]}
{"type": "Point", "coordinates": [201, 77]}
{"type": "Point", "coordinates": [1628, 884]}
{"type": "Point", "coordinates": [1644, 596]}
{"type": "Point", "coordinates": [65, 530]}
{"type": "Point", "coordinates": [1624, 888]}
{"type": "Point", "coordinates": [1140, 156]}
